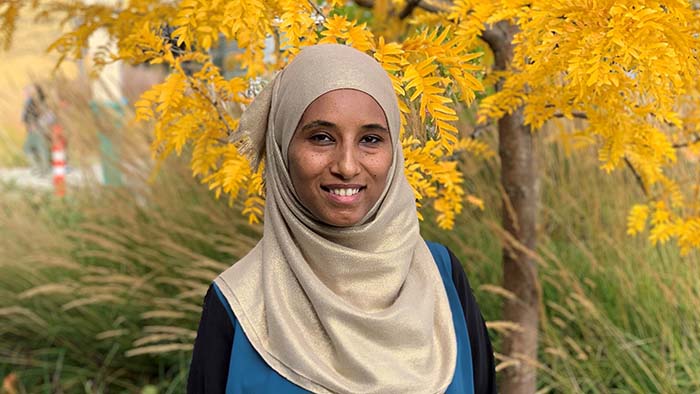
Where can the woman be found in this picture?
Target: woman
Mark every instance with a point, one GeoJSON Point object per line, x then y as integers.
{"type": "Point", "coordinates": [341, 294]}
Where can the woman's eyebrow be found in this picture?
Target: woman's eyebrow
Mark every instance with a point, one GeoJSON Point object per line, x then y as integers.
{"type": "Point", "coordinates": [318, 123]}
{"type": "Point", "coordinates": [375, 127]}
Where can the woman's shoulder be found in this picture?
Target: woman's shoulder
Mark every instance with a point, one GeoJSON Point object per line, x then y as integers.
{"type": "Point", "coordinates": [212, 345]}
{"type": "Point", "coordinates": [452, 271]}
{"type": "Point", "coordinates": [444, 258]}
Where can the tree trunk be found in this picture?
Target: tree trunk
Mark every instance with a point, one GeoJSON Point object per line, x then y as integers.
{"type": "Point", "coordinates": [520, 201]}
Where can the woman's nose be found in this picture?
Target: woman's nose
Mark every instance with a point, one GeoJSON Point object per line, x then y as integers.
{"type": "Point", "coordinates": [346, 164]}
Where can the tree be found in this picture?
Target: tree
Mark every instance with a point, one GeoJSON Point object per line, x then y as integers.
{"type": "Point", "coordinates": [629, 68]}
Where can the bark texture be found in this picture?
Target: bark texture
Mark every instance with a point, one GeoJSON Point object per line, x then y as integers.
{"type": "Point", "coordinates": [520, 205]}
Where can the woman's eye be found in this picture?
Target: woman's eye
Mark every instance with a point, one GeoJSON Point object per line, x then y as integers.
{"type": "Point", "coordinates": [371, 139]}
{"type": "Point", "coordinates": [321, 138]}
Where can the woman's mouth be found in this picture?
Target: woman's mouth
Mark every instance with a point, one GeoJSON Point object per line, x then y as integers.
{"type": "Point", "coordinates": [343, 194]}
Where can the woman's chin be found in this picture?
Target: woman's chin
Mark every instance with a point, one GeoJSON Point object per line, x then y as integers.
{"type": "Point", "coordinates": [342, 220]}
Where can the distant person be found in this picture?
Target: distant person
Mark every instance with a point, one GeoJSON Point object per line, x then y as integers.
{"type": "Point", "coordinates": [37, 144]}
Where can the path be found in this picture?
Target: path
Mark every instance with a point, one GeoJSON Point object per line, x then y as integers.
{"type": "Point", "coordinates": [24, 177]}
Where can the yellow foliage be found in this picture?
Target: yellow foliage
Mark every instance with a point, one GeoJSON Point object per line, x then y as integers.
{"type": "Point", "coordinates": [637, 218]}
{"type": "Point", "coordinates": [688, 233]}
{"type": "Point", "coordinates": [339, 30]}
{"type": "Point", "coordinates": [197, 110]}
{"type": "Point", "coordinates": [254, 203]}
{"type": "Point", "coordinates": [629, 68]}
{"type": "Point", "coordinates": [431, 176]}
{"type": "Point", "coordinates": [296, 25]}
{"type": "Point", "coordinates": [391, 57]}
{"type": "Point", "coordinates": [475, 147]}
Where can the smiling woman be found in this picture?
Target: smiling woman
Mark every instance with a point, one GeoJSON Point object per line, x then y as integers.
{"type": "Point", "coordinates": [341, 294]}
{"type": "Point", "coordinates": [340, 156]}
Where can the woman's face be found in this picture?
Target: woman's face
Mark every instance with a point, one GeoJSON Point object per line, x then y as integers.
{"type": "Point", "coordinates": [339, 156]}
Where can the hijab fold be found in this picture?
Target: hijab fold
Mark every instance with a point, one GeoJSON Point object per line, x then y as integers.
{"type": "Point", "coordinates": [358, 309]}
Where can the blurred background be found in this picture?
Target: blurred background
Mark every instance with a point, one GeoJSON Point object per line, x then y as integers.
{"type": "Point", "coordinates": [23, 65]}
{"type": "Point", "coordinates": [104, 263]}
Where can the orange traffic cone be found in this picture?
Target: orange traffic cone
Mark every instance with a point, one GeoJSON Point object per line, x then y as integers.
{"type": "Point", "coordinates": [9, 384]}
{"type": "Point", "coordinates": [58, 160]}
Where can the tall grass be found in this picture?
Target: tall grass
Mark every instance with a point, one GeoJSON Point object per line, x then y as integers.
{"type": "Point", "coordinates": [101, 292]}
{"type": "Point", "coordinates": [106, 292]}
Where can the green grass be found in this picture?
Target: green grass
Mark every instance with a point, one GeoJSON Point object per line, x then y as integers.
{"type": "Point", "coordinates": [621, 315]}
{"type": "Point", "coordinates": [101, 292]}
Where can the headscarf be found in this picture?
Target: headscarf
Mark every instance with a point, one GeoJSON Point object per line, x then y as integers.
{"type": "Point", "coordinates": [358, 309]}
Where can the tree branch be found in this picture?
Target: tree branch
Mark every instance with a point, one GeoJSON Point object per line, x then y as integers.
{"type": "Point", "coordinates": [491, 37]}
{"type": "Point", "coordinates": [496, 36]}
{"type": "Point", "coordinates": [637, 176]}
{"type": "Point", "coordinates": [478, 129]}
{"type": "Point", "coordinates": [318, 10]}
{"type": "Point", "coordinates": [695, 139]}
{"type": "Point", "coordinates": [577, 115]}
{"type": "Point", "coordinates": [222, 118]}
{"type": "Point", "coordinates": [422, 5]}
{"type": "Point", "coordinates": [408, 10]}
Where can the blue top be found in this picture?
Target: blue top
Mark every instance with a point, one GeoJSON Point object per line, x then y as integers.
{"type": "Point", "coordinates": [248, 372]}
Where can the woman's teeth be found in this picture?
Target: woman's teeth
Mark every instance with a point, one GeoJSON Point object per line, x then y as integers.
{"type": "Point", "coordinates": [345, 192]}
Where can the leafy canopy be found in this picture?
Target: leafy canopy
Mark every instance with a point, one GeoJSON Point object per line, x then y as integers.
{"type": "Point", "coordinates": [629, 68]}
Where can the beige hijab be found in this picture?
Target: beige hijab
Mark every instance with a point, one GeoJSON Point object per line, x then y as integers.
{"type": "Point", "coordinates": [359, 309]}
